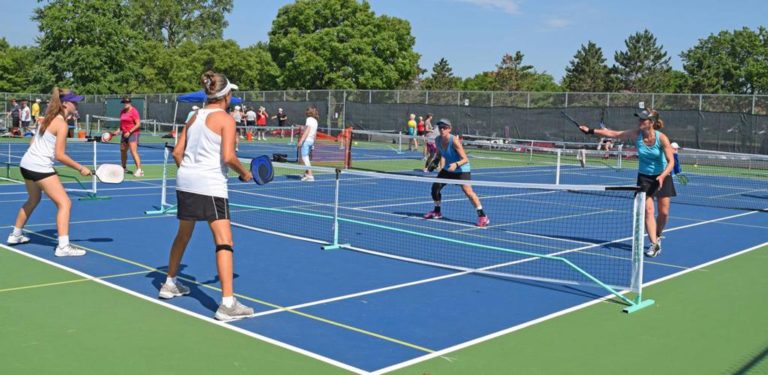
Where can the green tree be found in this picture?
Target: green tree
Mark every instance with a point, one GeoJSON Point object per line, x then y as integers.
{"type": "Point", "coordinates": [677, 82]}
{"type": "Point", "coordinates": [644, 65]}
{"type": "Point", "coordinates": [442, 77]}
{"type": "Point", "coordinates": [479, 82]}
{"type": "Point", "coordinates": [18, 73]}
{"type": "Point", "coordinates": [175, 21]}
{"type": "Point", "coordinates": [587, 71]}
{"type": "Point", "coordinates": [511, 74]}
{"type": "Point", "coordinates": [729, 62]}
{"type": "Point", "coordinates": [338, 44]}
{"type": "Point", "coordinates": [541, 82]}
{"type": "Point", "coordinates": [89, 46]}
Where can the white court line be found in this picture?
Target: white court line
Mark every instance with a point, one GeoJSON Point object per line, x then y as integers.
{"type": "Point", "coordinates": [518, 327]}
{"type": "Point", "coordinates": [192, 314]}
{"type": "Point", "coordinates": [417, 282]}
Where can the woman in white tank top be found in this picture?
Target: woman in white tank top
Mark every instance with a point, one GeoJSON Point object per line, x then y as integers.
{"type": "Point", "coordinates": [49, 145]}
{"type": "Point", "coordinates": [205, 150]}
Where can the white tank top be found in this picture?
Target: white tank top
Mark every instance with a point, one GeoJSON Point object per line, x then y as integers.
{"type": "Point", "coordinates": [40, 154]}
{"type": "Point", "coordinates": [202, 171]}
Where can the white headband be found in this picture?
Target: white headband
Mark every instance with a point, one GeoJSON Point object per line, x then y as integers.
{"type": "Point", "coordinates": [229, 87]}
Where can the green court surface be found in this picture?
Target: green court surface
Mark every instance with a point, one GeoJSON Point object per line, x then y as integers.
{"type": "Point", "coordinates": [52, 321]}
{"type": "Point", "coordinates": [709, 321]}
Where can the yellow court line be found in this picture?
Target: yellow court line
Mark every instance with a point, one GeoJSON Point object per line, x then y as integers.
{"type": "Point", "coordinates": [265, 303]}
{"type": "Point", "coordinates": [70, 281]}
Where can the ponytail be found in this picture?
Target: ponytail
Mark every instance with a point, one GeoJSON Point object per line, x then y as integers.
{"type": "Point", "coordinates": [213, 83]}
{"type": "Point", "coordinates": [658, 123]}
{"type": "Point", "coordinates": [55, 108]}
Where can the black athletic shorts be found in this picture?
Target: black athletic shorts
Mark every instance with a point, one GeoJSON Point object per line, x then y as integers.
{"type": "Point", "coordinates": [34, 176]}
{"type": "Point", "coordinates": [650, 186]}
{"type": "Point", "coordinates": [198, 207]}
{"type": "Point", "coordinates": [454, 176]}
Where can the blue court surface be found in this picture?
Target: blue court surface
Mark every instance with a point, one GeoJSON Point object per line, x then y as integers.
{"type": "Point", "coordinates": [364, 312]}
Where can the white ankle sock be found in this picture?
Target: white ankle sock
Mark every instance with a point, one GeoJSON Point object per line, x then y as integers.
{"type": "Point", "coordinates": [16, 231]}
{"type": "Point", "coordinates": [228, 301]}
{"type": "Point", "coordinates": [170, 280]}
{"type": "Point", "coordinates": [63, 241]}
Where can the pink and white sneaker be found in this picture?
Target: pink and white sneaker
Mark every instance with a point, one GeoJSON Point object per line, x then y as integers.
{"type": "Point", "coordinates": [433, 215]}
{"type": "Point", "coordinates": [483, 221]}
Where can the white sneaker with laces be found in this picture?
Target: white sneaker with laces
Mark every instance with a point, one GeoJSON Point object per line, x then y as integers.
{"type": "Point", "coordinates": [168, 291]}
{"type": "Point", "coordinates": [308, 178]}
{"type": "Point", "coordinates": [68, 251]}
{"type": "Point", "coordinates": [16, 240]}
{"type": "Point", "coordinates": [139, 173]}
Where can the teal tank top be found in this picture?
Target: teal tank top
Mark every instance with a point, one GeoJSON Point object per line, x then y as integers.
{"type": "Point", "coordinates": [451, 156]}
{"type": "Point", "coordinates": [652, 159]}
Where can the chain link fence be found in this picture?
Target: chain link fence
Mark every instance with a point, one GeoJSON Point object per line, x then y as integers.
{"type": "Point", "coordinates": [733, 123]}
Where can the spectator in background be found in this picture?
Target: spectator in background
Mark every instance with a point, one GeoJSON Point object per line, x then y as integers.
{"type": "Point", "coordinates": [237, 115]}
{"type": "Point", "coordinates": [72, 120]}
{"type": "Point", "coordinates": [35, 110]}
{"type": "Point", "coordinates": [412, 143]}
{"type": "Point", "coordinates": [15, 114]}
{"type": "Point", "coordinates": [261, 123]}
{"type": "Point", "coordinates": [282, 120]}
{"type": "Point", "coordinates": [25, 116]}
{"type": "Point", "coordinates": [250, 120]}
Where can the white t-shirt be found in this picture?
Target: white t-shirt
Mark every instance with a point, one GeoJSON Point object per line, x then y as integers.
{"type": "Point", "coordinates": [202, 171]}
{"type": "Point", "coordinates": [311, 129]}
{"type": "Point", "coordinates": [250, 115]}
{"type": "Point", "coordinates": [26, 114]}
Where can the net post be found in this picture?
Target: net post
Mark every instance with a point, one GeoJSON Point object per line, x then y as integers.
{"type": "Point", "coordinates": [399, 142]}
{"type": "Point", "coordinates": [557, 168]}
{"type": "Point", "coordinates": [530, 159]}
{"type": "Point", "coordinates": [91, 195]}
{"type": "Point", "coordinates": [619, 156]}
{"type": "Point", "coordinates": [164, 208]}
{"type": "Point", "coordinates": [335, 245]}
{"type": "Point", "coordinates": [638, 235]}
{"type": "Point", "coordinates": [293, 130]}
{"type": "Point", "coordinates": [95, 166]}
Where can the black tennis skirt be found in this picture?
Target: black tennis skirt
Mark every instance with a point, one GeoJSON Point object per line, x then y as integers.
{"type": "Point", "coordinates": [34, 176]}
{"type": "Point", "coordinates": [650, 186]}
{"type": "Point", "coordinates": [198, 207]}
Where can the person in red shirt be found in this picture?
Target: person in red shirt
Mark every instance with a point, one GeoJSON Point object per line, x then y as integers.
{"type": "Point", "coordinates": [261, 123]}
{"type": "Point", "coordinates": [130, 127]}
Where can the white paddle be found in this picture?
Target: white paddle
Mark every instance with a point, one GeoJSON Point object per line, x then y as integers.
{"type": "Point", "coordinates": [110, 173]}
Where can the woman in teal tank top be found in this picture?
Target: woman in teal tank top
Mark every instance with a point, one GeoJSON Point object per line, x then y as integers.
{"type": "Point", "coordinates": [454, 165]}
{"type": "Point", "coordinates": [656, 162]}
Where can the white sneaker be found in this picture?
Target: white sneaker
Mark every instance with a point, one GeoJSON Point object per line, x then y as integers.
{"type": "Point", "coordinates": [308, 178]}
{"type": "Point", "coordinates": [139, 173]}
{"type": "Point", "coordinates": [68, 251]}
{"type": "Point", "coordinates": [168, 291]}
{"type": "Point", "coordinates": [16, 240]}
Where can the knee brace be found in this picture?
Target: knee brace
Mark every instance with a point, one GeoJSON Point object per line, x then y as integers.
{"type": "Point", "coordinates": [224, 247]}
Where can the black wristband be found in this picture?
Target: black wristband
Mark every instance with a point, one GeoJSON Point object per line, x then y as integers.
{"type": "Point", "coordinates": [591, 131]}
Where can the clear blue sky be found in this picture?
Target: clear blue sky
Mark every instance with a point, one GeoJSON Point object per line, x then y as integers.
{"type": "Point", "coordinates": [474, 34]}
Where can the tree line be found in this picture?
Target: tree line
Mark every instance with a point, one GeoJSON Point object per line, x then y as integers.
{"type": "Point", "coordinates": [149, 46]}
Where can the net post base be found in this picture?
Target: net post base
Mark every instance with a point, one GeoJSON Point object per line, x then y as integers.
{"type": "Point", "coordinates": [639, 306]}
{"type": "Point", "coordinates": [94, 197]}
{"type": "Point", "coordinates": [334, 246]}
{"type": "Point", "coordinates": [162, 211]}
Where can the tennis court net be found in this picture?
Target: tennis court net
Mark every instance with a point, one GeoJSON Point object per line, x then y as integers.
{"type": "Point", "coordinates": [710, 179]}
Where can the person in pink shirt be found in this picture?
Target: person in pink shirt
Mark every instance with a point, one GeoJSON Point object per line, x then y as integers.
{"type": "Point", "coordinates": [130, 127]}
